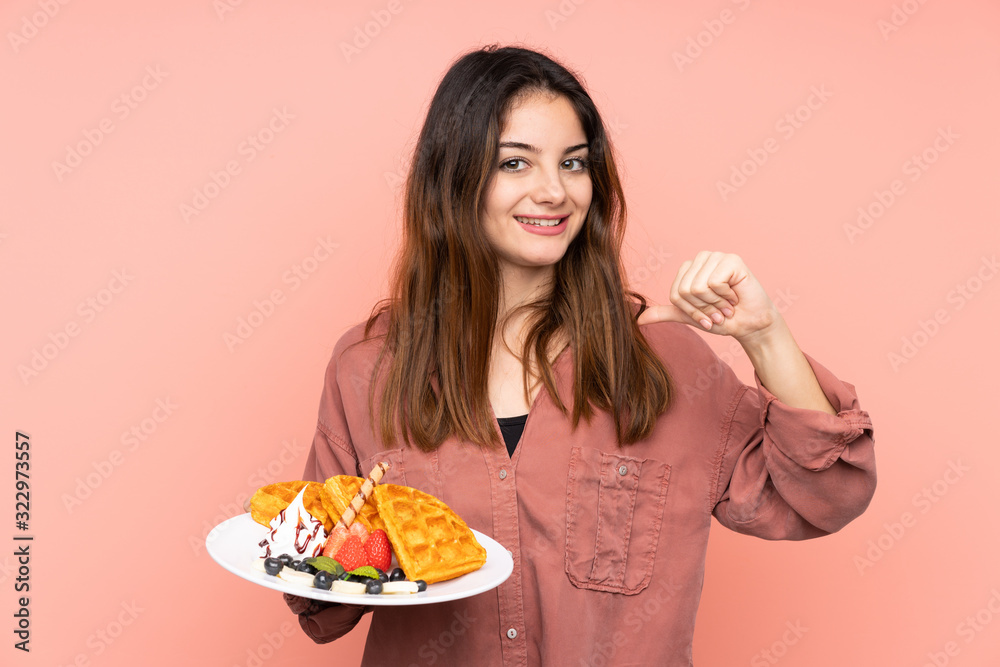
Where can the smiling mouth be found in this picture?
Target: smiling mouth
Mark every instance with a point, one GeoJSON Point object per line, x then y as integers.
{"type": "Point", "coordinates": [540, 222]}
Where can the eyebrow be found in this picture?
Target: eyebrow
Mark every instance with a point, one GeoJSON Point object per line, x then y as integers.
{"type": "Point", "coordinates": [533, 149]}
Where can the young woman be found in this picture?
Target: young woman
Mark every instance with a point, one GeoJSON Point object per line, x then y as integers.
{"type": "Point", "coordinates": [513, 375]}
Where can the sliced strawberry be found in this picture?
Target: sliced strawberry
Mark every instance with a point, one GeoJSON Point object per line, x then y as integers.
{"type": "Point", "coordinates": [360, 531]}
{"type": "Point", "coordinates": [351, 553]}
{"type": "Point", "coordinates": [335, 540]}
{"type": "Point", "coordinates": [378, 550]}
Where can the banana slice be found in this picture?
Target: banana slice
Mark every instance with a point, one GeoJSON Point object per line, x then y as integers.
{"type": "Point", "coordinates": [348, 587]}
{"type": "Point", "coordinates": [293, 577]}
{"type": "Point", "coordinates": [399, 587]}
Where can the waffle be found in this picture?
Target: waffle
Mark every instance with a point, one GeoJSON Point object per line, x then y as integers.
{"type": "Point", "coordinates": [339, 491]}
{"type": "Point", "coordinates": [430, 541]}
{"type": "Point", "coordinates": [268, 501]}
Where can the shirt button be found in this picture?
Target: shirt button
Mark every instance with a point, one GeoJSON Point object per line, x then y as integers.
{"type": "Point", "coordinates": [512, 633]}
{"type": "Point", "coordinates": [503, 474]}
{"type": "Point", "coordinates": [622, 470]}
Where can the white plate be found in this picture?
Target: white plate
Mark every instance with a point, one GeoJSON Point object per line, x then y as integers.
{"type": "Point", "coordinates": [233, 544]}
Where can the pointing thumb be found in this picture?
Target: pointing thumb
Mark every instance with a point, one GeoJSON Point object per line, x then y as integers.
{"type": "Point", "coordinates": [665, 313]}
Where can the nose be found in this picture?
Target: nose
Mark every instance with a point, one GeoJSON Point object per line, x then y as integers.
{"type": "Point", "coordinates": [548, 187]}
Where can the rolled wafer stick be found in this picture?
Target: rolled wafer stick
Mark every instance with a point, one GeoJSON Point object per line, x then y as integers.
{"type": "Point", "coordinates": [347, 518]}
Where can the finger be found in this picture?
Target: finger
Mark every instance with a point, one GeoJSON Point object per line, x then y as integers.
{"type": "Point", "coordinates": [721, 281]}
{"type": "Point", "coordinates": [729, 264]}
{"type": "Point", "coordinates": [730, 272]}
{"type": "Point", "coordinates": [680, 291]}
{"type": "Point", "coordinates": [692, 313]}
{"type": "Point", "coordinates": [689, 309]}
{"type": "Point", "coordinates": [682, 279]}
{"type": "Point", "coordinates": [664, 313]}
{"type": "Point", "coordinates": [691, 270]}
{"type": "Point", "coordinates": [297, 604]}
{"type": "Point", "coordinates": [703, 290]}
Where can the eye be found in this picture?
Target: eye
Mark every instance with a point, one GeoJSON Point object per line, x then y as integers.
{"type": "Point", "coordinates": [512, 164]}
{"type": "Point", "coordinates": [574, 164]}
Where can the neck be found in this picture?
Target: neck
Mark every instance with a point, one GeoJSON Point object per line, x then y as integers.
{"type": "Point", "coordinates": [521, 285]}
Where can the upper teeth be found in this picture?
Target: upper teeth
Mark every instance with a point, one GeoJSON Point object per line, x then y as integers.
{"type": "Point", "coordinates": [539, 221]}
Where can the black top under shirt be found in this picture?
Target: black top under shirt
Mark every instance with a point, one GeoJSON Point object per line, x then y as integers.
{"type": "Point", "coordinates": [512, 428]}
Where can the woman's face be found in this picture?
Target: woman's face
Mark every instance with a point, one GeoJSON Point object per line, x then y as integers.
{"type": "Point", "coordinates": [541, 190]}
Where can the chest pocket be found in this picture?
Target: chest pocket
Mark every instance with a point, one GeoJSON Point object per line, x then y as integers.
{"type": "Point", "coordinates": [614, 513]}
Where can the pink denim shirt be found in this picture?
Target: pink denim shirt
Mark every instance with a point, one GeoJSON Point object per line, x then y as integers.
{"type": "Point", "coordinates": [608, 543]}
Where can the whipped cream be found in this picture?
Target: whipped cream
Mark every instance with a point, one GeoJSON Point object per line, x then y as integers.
{"type": "Point", "coordinates": [295, 532]}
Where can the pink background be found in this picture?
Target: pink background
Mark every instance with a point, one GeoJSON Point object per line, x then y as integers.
{"type": "Point", "coordinates": [119, 573]}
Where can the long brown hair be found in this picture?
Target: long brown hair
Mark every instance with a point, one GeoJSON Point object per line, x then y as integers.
{"type": "Point", "coordinates": [444, 303]}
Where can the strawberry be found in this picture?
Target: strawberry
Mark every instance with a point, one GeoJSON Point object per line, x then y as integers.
{"type": "Point", "coordinates": [351, 553]}
{"type": "Point", "coordinates": [378, 550]}
{"type": "Point", "coordinates": [335, 540]}
{"type": "Point", "coordinates": [359, 530]}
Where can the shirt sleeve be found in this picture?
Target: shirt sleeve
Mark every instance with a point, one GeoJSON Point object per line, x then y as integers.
{"type": "Point", "coordinates": [792, 473]}
{"type": "Point", "coordinates": [332, 453]}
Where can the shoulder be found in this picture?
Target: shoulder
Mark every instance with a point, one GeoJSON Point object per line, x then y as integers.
{"type": "Point", "coordinates": [677, 344]}
{"type": "Point", "coordinates": [703, 381]}
{"type": "Point", "coordinates": [354, 349]}
{"type": "Point", "coordinates": [674, 341]}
